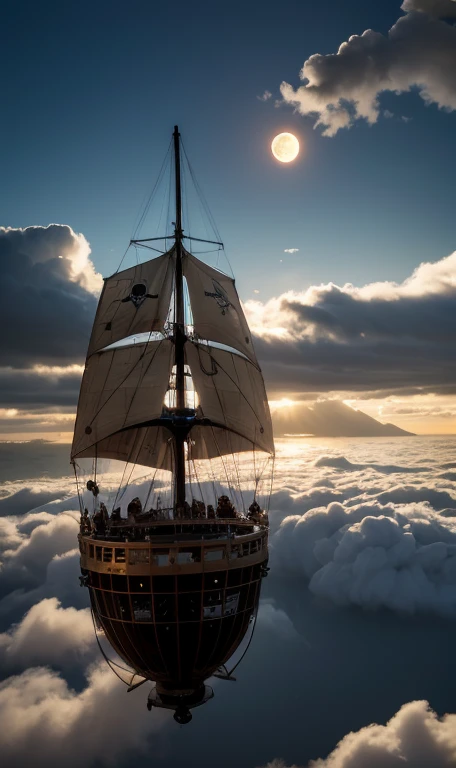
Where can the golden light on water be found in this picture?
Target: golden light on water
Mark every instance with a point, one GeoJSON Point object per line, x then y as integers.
{"type": "Point", "coordinates": [285, 147]}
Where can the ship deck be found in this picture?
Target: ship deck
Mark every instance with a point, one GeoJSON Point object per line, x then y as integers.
{"type": "Point", "coordinates": [166, 531]}
{"type": "Point", "coordinates": [176, 546]}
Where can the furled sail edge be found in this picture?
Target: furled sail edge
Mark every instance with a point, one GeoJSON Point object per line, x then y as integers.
{"type": "Point", "coordinates": [134, 340]}
{"type": "Point", "coordinates": [148, 336]}
{"type": "Point", "coordinates": [205, 343]}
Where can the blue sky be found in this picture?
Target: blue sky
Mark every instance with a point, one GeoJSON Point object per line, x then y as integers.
{"type": "Point", "coordinates": [91, 92]}
{"type": "Point", "coordinates": [90, 95]}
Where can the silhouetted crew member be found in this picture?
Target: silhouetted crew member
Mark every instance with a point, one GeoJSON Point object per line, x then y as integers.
{"type": "Point", "coordinates": [134, 509]}
{"type": "Point", "coordinates": [255, 512]}
{"type": "Point", "coordinates": [99, 522]}
{"type": "Point", "coordinates": [91, 486]}
{"type": "Point", "coordinates": [86, 526]}
{"type": "Point", "coordinates": [225, 507]}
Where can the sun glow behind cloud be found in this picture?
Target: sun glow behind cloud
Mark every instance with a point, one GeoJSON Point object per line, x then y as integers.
{"type": "Point", "coordinates": [285, 402]}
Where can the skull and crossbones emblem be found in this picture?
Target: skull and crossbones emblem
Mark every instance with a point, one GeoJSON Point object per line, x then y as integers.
{"type": "Point", "coordinates": [220, 296]}
{"type": "Point", "coordinates": [138, 294]}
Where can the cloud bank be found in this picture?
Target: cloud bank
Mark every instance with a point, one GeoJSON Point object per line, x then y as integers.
{"type": "Point", "coordinates": [49, 643]}
{"type": "Point", "coordinates": [381, 336]}
{"type": "Point", "coordinates": [419, 52]}
{"type": "Point", "coordinates": [415, 737]}
{"type": "Point", "coordinates": [49, 635]}
{"type": "Point", "coordinates": [48, 290]}
{"type": "Point", "coordinates": [385, 505]}
{"type": "Point", "coordinates": [389, 551]}
{"type": "Point", "coordinates": [47, 300]}
{"type": "Point", "coordinates": [45, 721]}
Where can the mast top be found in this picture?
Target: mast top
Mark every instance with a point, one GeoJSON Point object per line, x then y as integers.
{"type": "Point", "coordinates": [178, 230]}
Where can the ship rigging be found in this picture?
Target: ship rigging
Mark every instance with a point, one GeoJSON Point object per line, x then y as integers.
{"type": "Point", "coordinates": [172, 385]}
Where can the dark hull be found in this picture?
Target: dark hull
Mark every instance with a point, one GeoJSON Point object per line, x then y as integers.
{"type": "Point", "coordinates": [176, 629]}
{"type": "Point", "coordinates": [176, 610]}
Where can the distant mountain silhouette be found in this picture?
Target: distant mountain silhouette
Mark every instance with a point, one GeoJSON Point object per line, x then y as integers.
{"type": "Point", "coordinates": [330, 418]}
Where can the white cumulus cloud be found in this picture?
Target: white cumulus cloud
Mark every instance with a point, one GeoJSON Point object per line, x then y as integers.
{"type": "Point", "coordinates": [400, 557]}
{"type": "Point", "coordinates": [25, 565]}
{"type": "Point", "coordinates": [45, 722]}
{"type": "Point", "coordinates": [48, 635]}
{"type": "Point", "coordinates": [419, 52]}
{"type": "Point", "coordinates": [414, 738]}
{"type": "Point", "coordinates": [275, 620]}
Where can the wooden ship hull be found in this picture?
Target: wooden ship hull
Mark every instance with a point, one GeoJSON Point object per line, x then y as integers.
{"type": "Point", "coordinates": [177, 607]}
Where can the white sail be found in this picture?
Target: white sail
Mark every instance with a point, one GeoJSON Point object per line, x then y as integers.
{"type": "Point", "coordinates": [216, 309]}
{"type": "Point", "coordinates": [121, 388]}
{"type": "Point", "coordinates": [232, 396]}
{"type": "Point", "coordinates": [208, 442]}
{"type": "Point", "coordinates": [135, 300]}
{"type": "Point", "coordinates": [146, 446]}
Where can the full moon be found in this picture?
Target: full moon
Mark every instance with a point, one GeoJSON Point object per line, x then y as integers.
{"type": "Point", "coordinates": [285, 147]}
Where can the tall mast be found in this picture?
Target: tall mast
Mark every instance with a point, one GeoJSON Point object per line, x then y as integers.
{"type": "Point", "coordinates": [179, 331]}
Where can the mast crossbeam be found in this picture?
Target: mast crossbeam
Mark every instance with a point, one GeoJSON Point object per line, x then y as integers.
{"type": "Point", "coordinates": [200, 240]}
{"type": "Point", "coordinates": [151, 239]}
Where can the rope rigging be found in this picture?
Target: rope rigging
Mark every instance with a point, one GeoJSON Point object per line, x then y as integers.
{"type": "Point", "coordinates": [167, 589]}
{"type": "Point", "coordinates": [188, 180]}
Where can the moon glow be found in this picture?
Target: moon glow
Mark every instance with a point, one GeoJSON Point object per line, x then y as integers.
{"type": "Point", "coordinates": [285, 147]}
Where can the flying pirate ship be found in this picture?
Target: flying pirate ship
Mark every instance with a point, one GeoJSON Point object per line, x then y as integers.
{"type": "Point", "coordinates": [174, 434]}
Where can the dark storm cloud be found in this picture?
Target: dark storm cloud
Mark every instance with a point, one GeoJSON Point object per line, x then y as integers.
{"type": "Point", "coordinates": [327, 366]}
{"type": "Point", "coordinates": [383, 338]}
{"type": "Point", "coordinates": [343, 317]}
{"type": "Point", "coordinates": [38, 389]}
{"type": "Point", "coordinates": [418, 52]}
{"type": "Point", "coordinates": [47, 301]}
